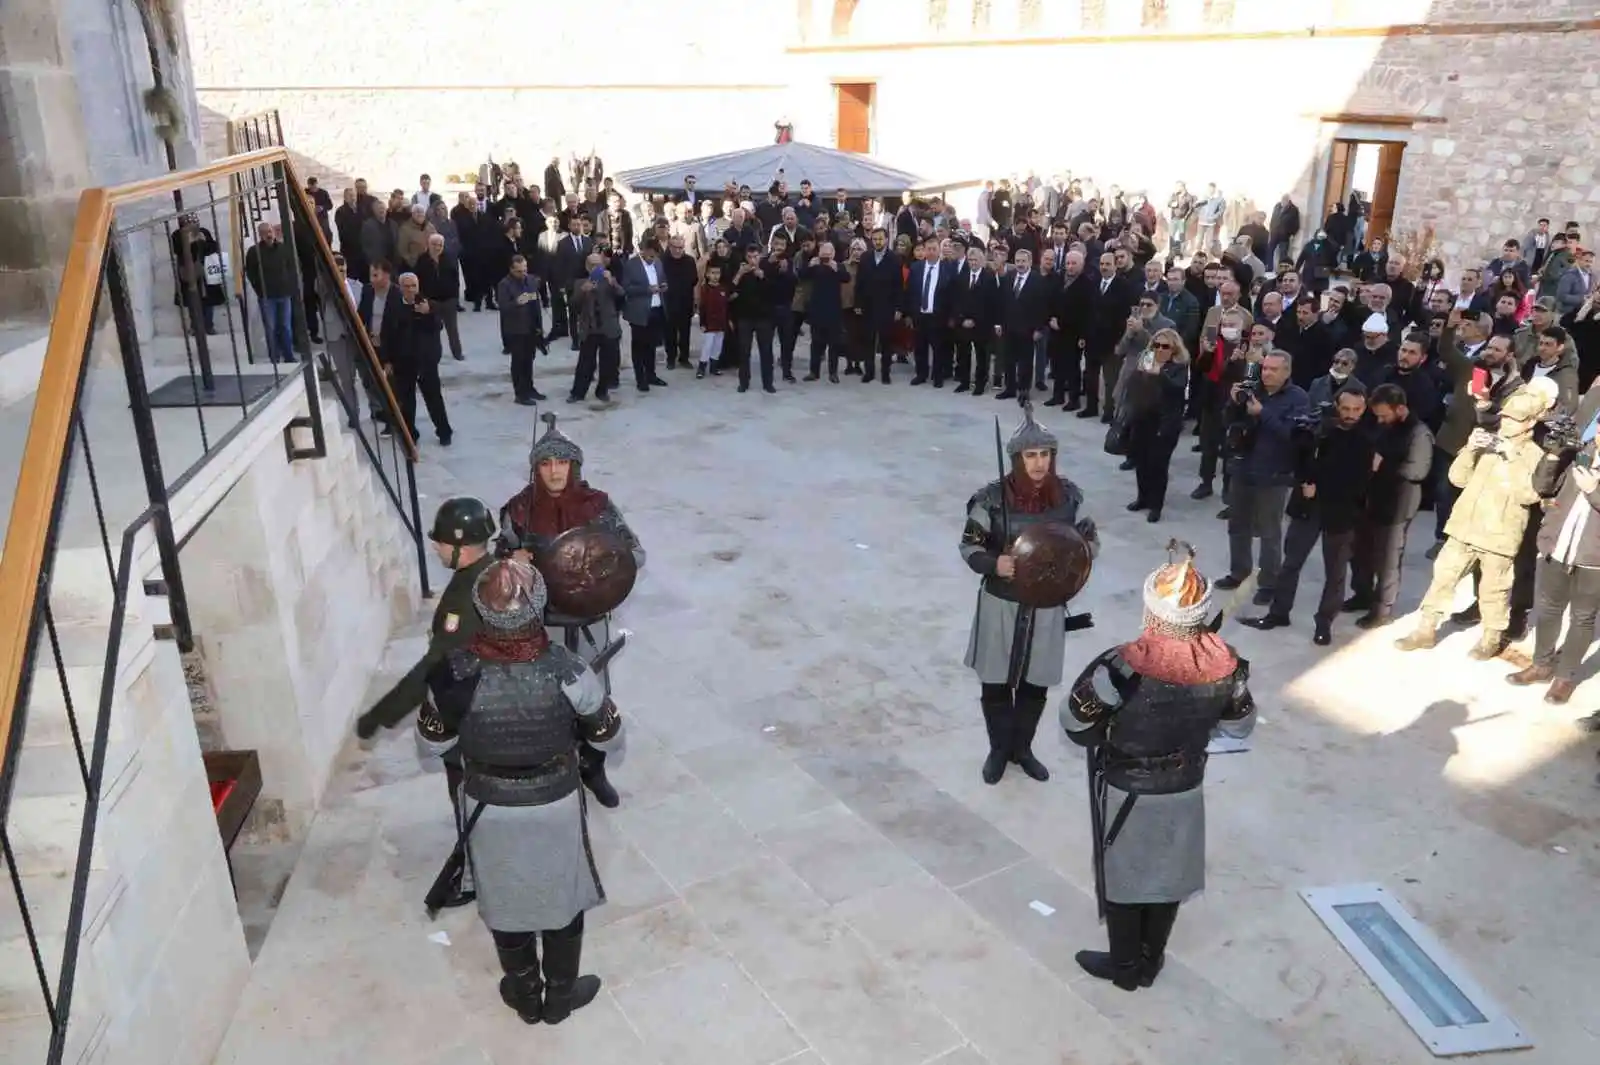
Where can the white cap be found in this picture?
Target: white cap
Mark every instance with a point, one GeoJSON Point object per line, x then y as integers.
{"type": "Point", "coordinates": [1375, 323]}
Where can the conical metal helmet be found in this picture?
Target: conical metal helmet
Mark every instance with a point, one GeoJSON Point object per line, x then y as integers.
{"type": "Point", "coordinates": [1030, 436]}
{"type": "Point", "coordinates": [554, 444]}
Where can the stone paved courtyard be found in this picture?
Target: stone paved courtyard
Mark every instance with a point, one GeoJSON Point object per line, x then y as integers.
{"type": "Point", "coordinates": [806, 868]}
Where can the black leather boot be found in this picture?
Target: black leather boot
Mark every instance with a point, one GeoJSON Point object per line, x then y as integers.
{"type": "Point", "coordinates": [1121, 964]}
{"type": "Point", "coordinates": [566, 991]}
{"type": "Point", "coordinates": [520, 987]}
{"type": "Point", "coordinates": [1158, 920]}
{"type": "Point", "coordinates": [997, 713]}
{"type": "Point", "coordinates": [592, 770]}
{"type": "Point", "coordinates": [1030, 708]}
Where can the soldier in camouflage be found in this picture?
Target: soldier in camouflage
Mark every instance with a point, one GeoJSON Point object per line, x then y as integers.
{"type": "Point", "coordinates": [462, 535]}
{"type": "Point", "coordinates": [556, 500]}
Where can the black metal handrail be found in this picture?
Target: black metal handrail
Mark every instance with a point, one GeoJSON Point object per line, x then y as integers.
{"type": "Point", "coordinates": [108, 262]}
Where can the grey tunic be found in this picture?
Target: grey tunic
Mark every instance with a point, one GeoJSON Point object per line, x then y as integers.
{"type": "Point", "coordinates": [531, 865]}
{"type": "Point", "coordinates": [994, 619]}
{"type": "Point", "coordinates": [1159, 853]}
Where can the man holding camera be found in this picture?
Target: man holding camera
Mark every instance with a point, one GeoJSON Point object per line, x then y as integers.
{"type": "Point", "coordinates": [1333, 463]}
{"type": "Point", "coordinates": [1404, 446]}
{"type": "Point", "coordinates": [1568, 566]}
{"type": "Point", "coordinates": [1266, 406]}
{"type": "Point", "coordinates": [1494, 471]}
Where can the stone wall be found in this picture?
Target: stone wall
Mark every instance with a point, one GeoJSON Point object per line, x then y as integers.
{"type": "Point", "coordinates": [295, 581]}
{"type": "Point", "coordinates": [1487, 151]}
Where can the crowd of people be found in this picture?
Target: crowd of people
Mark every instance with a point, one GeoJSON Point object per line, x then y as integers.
{"type": "Point", "coordinates": [1337, 389]}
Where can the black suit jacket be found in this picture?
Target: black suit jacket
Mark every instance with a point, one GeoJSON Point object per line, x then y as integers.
{"type": "Point", "coordinates": [1108, 312]}
{"type": "Point", "coordinates": [388, 339]}
{"type": "Point", "coordinates": [943, 276]}
{"type": "Point", "coordinates": [1024, 310]}
{"type": "Point", "coordinates": [980, 302]}
{"type": "Point", "coordinates": [1073, 306]}
{"type": "Point", "coordinates": [878, 289]}
{"type": "Point", "coordinates": [569, 264]}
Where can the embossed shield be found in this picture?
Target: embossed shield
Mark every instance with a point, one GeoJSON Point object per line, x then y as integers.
{"type": "Point", "coordinates": [587, 571]}
{"type": "Point", "coordinates": [1052, 564]}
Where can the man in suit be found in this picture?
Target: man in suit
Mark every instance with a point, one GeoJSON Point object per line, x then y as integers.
{"type": "Point", "coordinates": [644, 283]}
{"type": "Point", "coordinates": [688, 194]}
{"type": "Point", "coordinates": [1069, 331]}
{"type": "Point", "coordinates": [411, 359]}
{"type": "Point", "coordinates": [927, 301]}
{"type": "Point", "coordinates": [440, 277]}
{"type": "Point", "coordinates": [1285, 225]}
{"type": "Point", "coordinates": [1111, 301]}
{"type": "Point", "coordinates": [974, 304]}
{"type": "Point", "coordinates": [842, 204]}
{"type": "Point", "coordinates": [1024, 307]}
{"type": "Point", "coordinates": [878, 285]}
{"type": "Point", "coordinates": [570, 255]}
{"type": "Point", "coordinates": [789, 226]}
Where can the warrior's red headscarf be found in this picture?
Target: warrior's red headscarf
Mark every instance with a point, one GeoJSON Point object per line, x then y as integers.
{"type": "Point", "coordinates": [545, 513]}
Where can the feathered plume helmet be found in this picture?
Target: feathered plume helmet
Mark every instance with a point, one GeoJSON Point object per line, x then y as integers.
{"type": "Point", "coordinates": [1177, 595]}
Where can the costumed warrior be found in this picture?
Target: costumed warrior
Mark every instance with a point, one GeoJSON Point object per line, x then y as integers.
{"type": "Point", "coordinates": [557, 501]}
{"type": "Point", "coordinates": [514, 709]}
{"type": "Point", "coordinates": [463, 529]}
{"type": "Point", "coordinates": [1146, 712]}
{"type": "Point", "coordinates": [1023, 531]}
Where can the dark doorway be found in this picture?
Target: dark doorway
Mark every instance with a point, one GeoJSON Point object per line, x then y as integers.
{"type": "Point", "coordinates": [1370, 170]}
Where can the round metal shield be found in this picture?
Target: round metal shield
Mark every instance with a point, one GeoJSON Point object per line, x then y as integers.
{"type": "Point", "coordinates": [1053, 562]}
{"type": "Point", "coordinates": [588, 571]}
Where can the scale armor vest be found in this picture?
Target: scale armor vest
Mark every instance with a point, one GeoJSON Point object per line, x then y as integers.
{"type": "Point", "coordinates": [518, 740]}
{"type": "Point", "coordinates": [1156, 740]}
{"type": "Point", "coordinates": [1065, 514]}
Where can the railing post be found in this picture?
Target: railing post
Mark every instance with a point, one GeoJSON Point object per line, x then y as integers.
{"type": "Point", "coordinates": [144, 429]}
{"type": "Point", "coordinates": [417, 527]}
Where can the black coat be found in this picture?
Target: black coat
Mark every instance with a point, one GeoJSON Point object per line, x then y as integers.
{"type": "Point", "coordinates": [1108, 313]}
{"type": "Point", "coordinates": [441, 280]}
{"type": "Point", "coordinates": [944, 275]}
{"type": "Point", "coordinates": [979, 302]}
{"type": "Point", "coordinates": [1340, 465]}
{"type": "Point", "coordinates": [1024, 310]}
{"type": "Point", "coordinates": [1285, 222]}
{"type": "Point", "coordinates": [878, 289]}
{"type": "Point", "coordinates": [1312, 351]}
{"type": "Point", "coordinates": [825, 308]}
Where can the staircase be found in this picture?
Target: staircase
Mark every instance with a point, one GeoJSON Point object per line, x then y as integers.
{"type": "Point", "coordinates": [131, 944]}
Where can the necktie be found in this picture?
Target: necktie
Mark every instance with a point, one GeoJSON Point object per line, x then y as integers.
{"type": "Point", "coordinates": [1105, 285]}
{"type": "Point", "coordinates": [927, 288]}
{"type": "Point", "coordinates": [974, 282]}
{"type": "Point", "coordinates": [1020, 279]}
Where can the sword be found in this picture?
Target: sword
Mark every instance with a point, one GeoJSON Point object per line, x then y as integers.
{"type": "Point", "coordinates": [1022, 631]}
{"type": "Point", "coordinates": [1097, 826]}
{"type": "Point", "coordinates": [444, 885]}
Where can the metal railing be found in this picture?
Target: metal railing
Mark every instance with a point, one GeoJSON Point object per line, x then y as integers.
{"type": "Point", "coordinates": [78, 505]}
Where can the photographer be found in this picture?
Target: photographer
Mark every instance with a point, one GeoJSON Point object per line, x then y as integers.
{"type": "Point", "coordinates": [1568, 566]}
{"type": "Point", "coordinates": [1495, 474]}
{"type": "Point", "coordinates": [1333, 462]}
{"type": "Point", "coordinates": [1404, 454]}
{"type": "Point", "coordinates": [1268, 409]}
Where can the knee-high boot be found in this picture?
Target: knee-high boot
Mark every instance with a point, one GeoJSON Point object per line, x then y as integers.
{"type": "Point", "coordinates": [462, 891]}
{"type": "Point", "coordinates": [1120, 965]}
{"type": "Point", "coordinates": [592, 770]}
{"type": "Point", "coordinates": [565, 990]}
{"type": "Point", "coordinates": [1157, 927]}
{"type": "Point", "coordinates": [997, 719]}
{"type": "Point", "coordinates": [520, 987]}
{"type": "Point", "coordinates": [1030, 707]}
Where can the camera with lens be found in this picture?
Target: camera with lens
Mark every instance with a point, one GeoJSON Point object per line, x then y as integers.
{"type": "Point", "coordinates": [1241, 432]}
{"type": "Point", "coordinates": [1250, 386]}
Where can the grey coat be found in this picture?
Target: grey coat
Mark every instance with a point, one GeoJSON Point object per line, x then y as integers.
{"type": "Point", "coordinates": [1572, 291]}
{"type": "Point", "coordinates": [532, 866]}
{"type": "Point", "coordinates": [636, 289]}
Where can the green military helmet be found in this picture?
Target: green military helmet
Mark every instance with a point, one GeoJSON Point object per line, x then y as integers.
{"type": "Point", "coordinates": [463, 521]}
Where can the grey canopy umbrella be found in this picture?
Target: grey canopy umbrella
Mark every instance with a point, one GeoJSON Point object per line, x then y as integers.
{"type": "Point", "coordinates": [827, 169]}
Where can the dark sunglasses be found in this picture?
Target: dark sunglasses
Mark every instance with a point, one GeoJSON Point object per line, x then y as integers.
{"type": "Point", "coordinates": [1161, 345]}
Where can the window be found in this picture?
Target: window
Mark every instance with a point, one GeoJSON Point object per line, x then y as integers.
{"type": "Point", "coordinates": [1218, 14]}
{"type": "Point", "coordinates": [843, 12]}
{"type": "Point", "coordinates": [938, 15]}
{"type": "Point", "coordinates": [1154, 16]}
{"type": "Point", "coordinates": [1030, 15]}
{"type": "Point", "coordinates": [980, 16]}
{"type": "Point", "coordinates": [1093, 15]}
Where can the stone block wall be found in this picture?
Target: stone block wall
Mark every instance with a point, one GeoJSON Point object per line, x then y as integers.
{"type": "Point", "coordinates": [295, 581]}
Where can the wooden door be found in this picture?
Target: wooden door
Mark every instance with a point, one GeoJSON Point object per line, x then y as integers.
{"type": "Point", "coordinates": [1385, 189]}
{"type": "Point", "coordinates": [855, 118]}
{"type": "Point", "coordinates": [1338, 187]}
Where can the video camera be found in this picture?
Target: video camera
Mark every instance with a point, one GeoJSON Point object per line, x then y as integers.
{"type": "Point", "coordinates": [1560, 433]}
